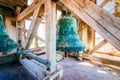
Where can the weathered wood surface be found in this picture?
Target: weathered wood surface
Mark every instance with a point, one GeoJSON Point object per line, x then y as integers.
{"type": "Point", "coordinates": [102, 43]}
{"type": "Point", "coordinates": [104, 3]}
{"type": "Point", "coordinates": [34, 28]}
{"type": "Point", "coordinates": [87, 35]}
{"type": "Point", "coordinates": [83, 70]}
{"type": "Point", "coordinates": [117, 14]}
{"type": "Point", "coordinates": [50, 33]}
{"type": "Point", "coordinates": [117, 1]}
{"type": "Point", "coordinates": [104, 23]}
{"type": "Point", "coordinates": [38, 70]}
{"type": "Point", "coordinates": [29, 10]}
{"type": "Point", "coordinates": [108, 53]}
{"type": "Point", "coordinates": [104, 59]}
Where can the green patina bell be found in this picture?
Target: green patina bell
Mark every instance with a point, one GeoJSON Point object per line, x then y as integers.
{"type": "Point", "coordinates": [6, 43]}
{"type": "Point", "coordinates": [67, 39]}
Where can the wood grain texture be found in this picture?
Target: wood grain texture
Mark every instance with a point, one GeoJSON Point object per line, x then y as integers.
{"type": "Point", "coordinates": [50, 33]}
{"type": "Point", "coordinates": [104, 3]}
{"type": "Point", "coordinates": [32, 26]}
{"type": "Point", "coordinates": [29, 10]}
{"type": "Point", "coordinates": [102, 43]}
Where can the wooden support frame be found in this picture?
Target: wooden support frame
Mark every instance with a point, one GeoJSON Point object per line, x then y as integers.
{"type": "Point", "coordinates": [103, 61]}
{"type": "Point", "coordinates": [39, 38]}
{"type": "Point", "coordinates": [117, 1]}
{"type": "Point", "coordinates": [32, 25]}
{"type": "Point", "coordinates": [87, 35]}
{"type": "Point", "coordinates": [108, 53]}
{"type": "Point", "coordinates": [102, 43]}
{"type": "Point", "coordinates": [35, 27]}
{"type": "Point", "coordinates": [104, 23]}
{"type": "Point", "coordinates": [29, 10]}
{"type": "Point", "coordinates": [104, 3]}
{"type": "Point", "coordinates": [91, 38]}
{"type": "Point", "coordinates": [36, 42]}
{"type": "Point", "coordinates": [50, 27]}
{"type": "Point", "coordinates": [19, 30]}
{"type": "Point", "coordinates": [117, 10]}
{"type": "Point", "coordinates": [33, 34]}
{"type": "Point", "coordinates": [20, 39]}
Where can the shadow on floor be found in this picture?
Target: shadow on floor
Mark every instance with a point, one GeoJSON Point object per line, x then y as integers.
{"type": "Point", "coordinates": [14, 71]}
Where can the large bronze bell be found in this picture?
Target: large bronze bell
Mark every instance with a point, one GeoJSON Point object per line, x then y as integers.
{"type": "Point", "coordinates": [67, 39]}
{"type": "Point", "coordinates": [6, 43]}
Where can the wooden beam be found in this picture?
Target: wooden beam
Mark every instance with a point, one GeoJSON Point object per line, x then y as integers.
{"type": "Point", "coordinates": [94, 1]}
{"type": "Point", "coordinates": [40, 39]}
{"type": "Point", "coordinates": [102, 61]}
{"type": "Point", "coordinates": [102, 43]}
{"type": "Point", "coordinates": [34, 26]}
{"type": "Point", "coordinates": [104, 23]}
{"type": "Point", "coordinates": [117, 1]}
{"type": "Point", "coordinates": [87, 35]}
{"type": "Point", "coordinates": [36, 42]}
{"type": "Point", "coordinates": [29, 10]}
{"type": "Point", "coordinates": [50, 24]}
{"type": "Point", "coordinates": [19, 31]}
{"type": "Point", "coordinates": [84, 33]}
{"type": "Point", "coordinates": [91, 38]}
{"type": "Point", "coordinates": [108, 53]}
{"type": "Point", "coordinates": [117, 10]}
{"type": "Point", "coordinates": [33, 34]}
{"type": "Point", "coordinates": [104, 3]}
{"type": "Point", "coordinates": [117, 14]}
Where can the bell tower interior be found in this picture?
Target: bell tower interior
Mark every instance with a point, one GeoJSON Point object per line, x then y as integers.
{"type": "Point", "coordinates": [59, 39]}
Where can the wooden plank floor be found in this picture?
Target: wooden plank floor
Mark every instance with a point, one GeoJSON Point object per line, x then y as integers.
{"type": "Point", "coordinates": [84, 70]}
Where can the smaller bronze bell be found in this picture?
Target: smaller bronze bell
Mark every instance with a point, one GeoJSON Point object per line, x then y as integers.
{"type": "Point", "coordinates": [6, 43]}
{"type": "Point", "coordinates": [67, 39]}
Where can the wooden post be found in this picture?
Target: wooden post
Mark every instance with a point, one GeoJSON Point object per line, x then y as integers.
{"type": "Point", "coordinates": [87, 35]}
{"type": "Point", "coordinates": [50, 24]}
{"type": "Point", "coordinates": [19, 31]}
{"type": "Point", "coordinates": [36, 42]}
{"type": "Point", "coordinates": [84, 31]}
{"type": "Point", "coordinates": [91, 38]}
